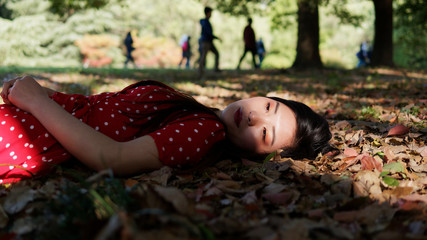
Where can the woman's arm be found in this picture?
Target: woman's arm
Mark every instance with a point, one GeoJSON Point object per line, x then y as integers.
{"type": "Point", "coordinates": [89, 146]}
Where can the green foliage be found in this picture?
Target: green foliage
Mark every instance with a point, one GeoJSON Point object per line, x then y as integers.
{"type": "Point", "coordinates": [391, 181]}
{"type": "Point", "coordinates": [5, 12]}
{"type": "Point", "coordinates": [394, 167]}
{"type": "Point", "coordinates": [410, 33]}
{"type": "Point", "coordinates": [346, 14]}
{"type": "Point", "coordinates": [27, 7]}
{"type": "Point", "coordinates": [283, 14]}
{"type": "Point", "coordinates": [244, 8]}
{"type": "Point", "coordinates": [67, 8]}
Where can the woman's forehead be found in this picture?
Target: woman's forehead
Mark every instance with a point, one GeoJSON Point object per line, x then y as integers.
{"type": "Point", "coordinates": [287, 125]}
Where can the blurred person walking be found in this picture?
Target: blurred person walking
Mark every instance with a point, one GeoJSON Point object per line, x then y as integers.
{"type": "Point", "coordinates": [186, 51]}
{"type": "Point", "coordinates": [364, 54]}
{"type": "Point", "coordinates": [129, 48]}
{"type": "Point", "coordinates": [250, 43]}
{"type": "Point", "coordinates": [207, 38]}
{"type": "Point", "coordinates": [260, 51]}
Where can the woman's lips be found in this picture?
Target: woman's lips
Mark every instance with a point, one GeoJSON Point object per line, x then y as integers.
{"type": "Point", "coordinates": [238, 117]}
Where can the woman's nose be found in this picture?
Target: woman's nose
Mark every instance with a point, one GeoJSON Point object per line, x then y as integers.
{"type": "Point", "coordinates": [253, 119]}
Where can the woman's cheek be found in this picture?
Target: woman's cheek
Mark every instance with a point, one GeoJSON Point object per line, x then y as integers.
{"type": "Point", "coordinates": [248, 141]}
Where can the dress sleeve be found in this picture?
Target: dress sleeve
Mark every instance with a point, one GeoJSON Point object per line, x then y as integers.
{"type": "Point", "coordinates": [76, 104]}
{"type": "Point", "coordinates": [185, 143]}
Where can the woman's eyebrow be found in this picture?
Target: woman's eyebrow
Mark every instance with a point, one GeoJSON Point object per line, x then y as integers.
{"type": "Point", "coordinates": [277, 107]}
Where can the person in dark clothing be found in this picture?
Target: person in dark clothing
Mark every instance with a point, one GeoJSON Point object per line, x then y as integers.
{"type": "Point", "coordinates": [207, 38]}
{"type": "Point", "coordinates": [129, 48]}
{"type": "Point", "coordinates": [250, 43]}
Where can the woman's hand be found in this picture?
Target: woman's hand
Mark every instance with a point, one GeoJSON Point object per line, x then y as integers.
{"type": "Point", "coordinates": [23, 92]}
{"type": "Point", "coordinates": [6, 88]}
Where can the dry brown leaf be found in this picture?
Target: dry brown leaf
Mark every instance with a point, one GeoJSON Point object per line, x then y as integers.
{"type": "Point", "coordinates": [347, 162]}
{"type": "Point", "coordinates": [249, 198]}
{"type": "Point", "coordinates": [302, 167]}
{"type": "Point", "coordinates": [274, 188]}
{"type": "Point", "coordinates": [282, 198]}
{"type": "Point", "coordinates": [350, 152]}
{"type": "Point", "coordinates": [398, 130]}
{"type": "Point", "coordinates": [344, 186]}
{"type": "Point", "coordinates": [329, 178]}
{"type": "Point", "coordinates": [423, 151]}
{"type": "Point", "coordinates": [342, 125]}
{"type": "Point", "coordinates": [176, 197]}
{"type": "Point", "coordinates": [160, 176]}
{"type": "Point", "coordinates": [222, 176]}
{"type": "Point", "coordinates": [229, 186]}
{"type": "Point", "coordinates": [402, 191]}
{"type": "Point", "coordinates": [416, 198]}
{"type": "Point", "coordinates": [370, 163]}
{"type": "Point", "coordinates": [366, 183]}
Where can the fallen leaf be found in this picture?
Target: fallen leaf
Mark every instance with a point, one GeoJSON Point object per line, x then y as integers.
{"type": "Point", "coordinates": [350, 152]}
{"type": "Point", "coordinates": [342, 125]}
{"type": "Point", "coordinates": [223, 176]}
{"type": "Point", "coordinates": [402, 191]}
{"type": "Point", "coordinates": [283, 198]}
{"type": "Point", "coordinates": [229, 186]}
{"type": "Point", "coordinates": [398, 130]}
{"type": "Point", "coordinates": [394, 167]}
{"type": "Point", "coordinates": [390, 181]}
{"type": "Point", "coordinates": [176, 197]}
{"type": "Point", "coordinates": [249, 198]}
{"type": "Point", "coordinates": [370, 163]}
{"type": "Point", "coordinates": [274, 188]}
{"type": "Point", "coordinates": [366, 183]}
{"type": "Point", "coordinates": [24, 225]}
{"type": "Point", "coordinates": [18, 198]}
{"type": "Point", "coordinates": [416, 198]}
{"type": "Point", "coordinates": [4, 219]}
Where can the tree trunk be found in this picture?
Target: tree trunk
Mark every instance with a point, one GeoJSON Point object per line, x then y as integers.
{"type": "Point", "coordinates": [382, 54]}
{"type": "Point", "coordinates": [308, 35]}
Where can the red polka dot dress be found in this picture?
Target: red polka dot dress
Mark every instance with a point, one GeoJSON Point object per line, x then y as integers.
{"type": "Point", "coordinates": [182, 135]}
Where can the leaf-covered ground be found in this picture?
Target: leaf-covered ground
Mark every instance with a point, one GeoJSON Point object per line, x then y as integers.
{"type": "Point", "coordinates": [373, 188]}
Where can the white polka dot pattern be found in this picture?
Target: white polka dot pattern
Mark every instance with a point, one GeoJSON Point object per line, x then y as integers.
{"type": "Point", "coordinates": [123, 116]}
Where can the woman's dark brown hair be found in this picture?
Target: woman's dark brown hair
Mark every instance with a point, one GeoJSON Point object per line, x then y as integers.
{"type": "Point", "coordinates": [312, 134]}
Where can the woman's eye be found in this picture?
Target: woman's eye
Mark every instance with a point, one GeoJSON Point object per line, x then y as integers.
{"type": "Point", "coordinates": [264, 133]}
{"type": "Point", "coordinates": [268, 107]}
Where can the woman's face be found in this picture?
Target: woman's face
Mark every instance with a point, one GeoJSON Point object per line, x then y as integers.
{"type": "Point", "coordinates": [259, 124]}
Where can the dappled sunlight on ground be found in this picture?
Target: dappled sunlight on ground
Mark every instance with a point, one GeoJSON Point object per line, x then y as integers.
{"type": "Point", "coordinates": [372, 187]}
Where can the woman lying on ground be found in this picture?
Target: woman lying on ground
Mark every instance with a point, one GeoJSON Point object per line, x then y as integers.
{"type": "Point", "coordinates": [145, 126]}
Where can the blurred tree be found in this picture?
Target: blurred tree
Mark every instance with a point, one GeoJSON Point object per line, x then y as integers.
{"type": "Point", "coordinates": [382, 54]}
{"type": "Point", "coordinates": [411, 33]}
{"type": "Point", "coordinates": [5, 12]}
{"type": "Point", "coordinates": [308, 35]}
{"type": "Point", "coordinates": [66, 8]}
